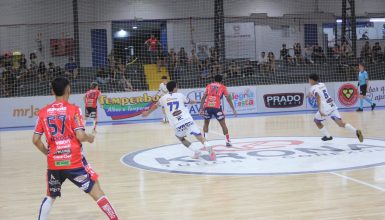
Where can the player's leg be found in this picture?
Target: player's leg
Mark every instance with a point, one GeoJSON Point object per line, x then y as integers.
{"type": "Point", "coordinates": [318, 119]}
{"type": "Point", "coordinates": [54, 181]}
{"type": "Point", "coordinates": [188, 145]}
{"type": "Point", "coordinates": [194, 130]}
{"type": "Point", "coordinates": [207, 116]}
{"type": "Point", "coordinates": [220, 116]}
{"type": "Point", "coordinates": [95, 119]}
{"type": "Point", "coordinates": [101, 199]}
{"type": "Point", "coordinates": [164, 120]}
{"type": "Point", "coordinates": [337, 119]}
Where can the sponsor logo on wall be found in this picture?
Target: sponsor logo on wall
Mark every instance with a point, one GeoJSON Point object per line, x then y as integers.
{"type": "Point", "coordinates": [197, 96]}
{"type": "Point", "coordinates": [312, 101]}
{"type": "Point", "coordinates": [348, 94]}
{"type": "Point", "coordinates": [264, 156]}
{"type": "Point", "coordinates": [126, 107]}
{"type": "Point", "coordinates": [243, 99]}
{"type": "Point", "coordinates": [283, 100]}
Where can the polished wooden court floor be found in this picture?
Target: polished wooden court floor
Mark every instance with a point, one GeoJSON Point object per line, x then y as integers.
{"type": "Point", "coordinates": [144, 195]}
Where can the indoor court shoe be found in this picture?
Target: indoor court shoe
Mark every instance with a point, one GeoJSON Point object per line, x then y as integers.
{"type": "Point", "coordinates": [196, 155]}
{"type": "Point", "coordinates": [359, 135]}
{"type": "Point", "coordinates": [211, 153]}
{"type": "Point", "coordinates": [373, 106]}
{"type": "Point", "coordinates": [228, 144]}
{"type": "Point", "coordinates": [324, 138]}
{"type": "Point", "coordinates": [359, 110]}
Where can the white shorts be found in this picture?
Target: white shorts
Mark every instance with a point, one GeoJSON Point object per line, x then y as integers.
{"type": "Point", "coordinates": [335, 115]}
{"type": "Point", "coordinates": [187, 128]}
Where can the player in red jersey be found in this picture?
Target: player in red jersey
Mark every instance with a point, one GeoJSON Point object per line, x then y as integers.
{"type": "Point", "coordinates": [62, 124]}
{"type": "Point", "coordinates": [91, 101]}
{"type": "Point", "coordinates": [211, 106]}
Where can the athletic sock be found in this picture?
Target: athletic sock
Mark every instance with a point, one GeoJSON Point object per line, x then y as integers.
{"type": "Point", "coordinates": [350, 128]}
{"type": "Point", "coordinates": [206, 135]}
{"type": "Point", "coordinates": [45, 207]}
{"type": "Point", "coordinates": [325, 132]}
{"type": "Point", "coordinates": [361, 103]}
{"type": "Point", "coordinates": [107, 208]}
{"type": "Point", "coordinates": [227, 138]}
{"type": "Point", "coordinates": [369, 101]}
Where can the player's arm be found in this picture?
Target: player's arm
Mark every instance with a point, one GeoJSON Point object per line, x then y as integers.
{"type": "Point", "coordinates": [82, 136]}
{"type": "Point", "coordinates": [230, 101]}
{"type": "Point", "coordinates": [201, 107]}
{"type": "Point", "coordinates": [149, 111]}
{"type": "Point", "coordinates": [36, 140]}
{"type": "Point", "coordinates": [319, 104]}
{"type": "Point", "coordinates": [78, 127]}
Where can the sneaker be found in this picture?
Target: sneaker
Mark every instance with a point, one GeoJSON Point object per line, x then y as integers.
{"type": "Point", "coordinates": [359, 110]}
{"type": "Point", "coordinates": [212, 154]}
{"type": "Point", "coordinates": [360, 136]}
{"type": "Point", "coordinates": [373, 106]}
{"type": "Point", "coordinates": [196, 155]}
{"type": "Point", "coordinates": [324, 138]}
{"type": "Point", "coordinates": [228, 144]}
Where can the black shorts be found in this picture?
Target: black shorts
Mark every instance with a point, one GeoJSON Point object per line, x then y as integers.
{"type": "Point", "coordinates": [363, 89]}
{"type": "Point", "coordinates": [217, 113]}
{"type": "Point", "coordinates": [91, 112]}
{"type": "Point", "coordinates": [83, 177]}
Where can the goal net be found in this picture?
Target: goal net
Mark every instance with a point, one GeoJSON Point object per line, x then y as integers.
{"type": "Point", "coordinates": [128, 45]}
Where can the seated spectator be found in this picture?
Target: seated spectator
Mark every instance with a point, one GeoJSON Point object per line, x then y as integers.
{"type": "Point", "coordinates": [262, 62]}
{"type": "Point", "coordinates": [297, 53]}
{"type": "Point", "coordinates": [366, 53]}
{"type": "Point", "coordinates": [102, 76]}
{"type": "Point", "coordinates": [33, 59]}
{"type": "Point", "coordinates": [194, 60]}
{"type": "Point", "coordinates": [23, 62]}
{"type": "Point", "coordinates": [127, 85]}
{"type": "Point", "coordinates": [247, 69]}
{"type": "Point", "coordinates": [346, 52]}
{"type": "Point", "coordinates": [284, 55]}
{"type": "Point", "coordinates": [318, 54]}
{"type": "Point", "coordinates": [51, 71]}
{"type": "Point", "coordinates": [337, 52]}
{"type": "Point", "coordinates": [202, 55]}
{"type": "Point", "coordinates": [271, 62]}
{"type": "Point", "coordinates": [71, 69]}
{"type": "Point", "coordinates": [377, 52]}
{"type": "Point", "coordinates": [42, 72]}
{"type": "Point", "coordinates": [234, 69]}
{"type": "Point", "coordinates": [216, 68]}
{"type": "Point", "coordinates": [182, 56]}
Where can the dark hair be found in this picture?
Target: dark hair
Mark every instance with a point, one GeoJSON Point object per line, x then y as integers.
{"type": "Point", "coordinates": [171, 86]}
{"type": "Point", "coordinates": [59, 85]}
{"type": "Point", "coordinates": [94, 85]}
{"type": "Point", "coordinates": [218, 78]}
{"type": "Point", "coordinates": [164, 77]}
{"type": "Point", "coordinates": [362, 64]}
{"type": "Point", "coordinates": [314, 77]}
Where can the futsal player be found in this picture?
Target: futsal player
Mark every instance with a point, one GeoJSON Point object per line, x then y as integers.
{"type": "Point", "coordinates": [211, 106]}
{"type": "Point", "coordinates": [62, 124]}
{"type": "Point", "coordinates": [180, 119]}
{"type": "Point", "coordinates": [363, 84]}
{"type": "Point", "coordinates": [91, 101]}
{"type": "Point", "coordinates": [327, 109]}
{"type": "Point", "coordinates": [161, 92]}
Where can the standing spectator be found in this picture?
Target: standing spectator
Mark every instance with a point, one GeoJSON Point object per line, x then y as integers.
{"type": "Point", "coordinates": [318, 54]}
{"type": "Point", "coordinates": [202, 55]}
{"type": "Point", "coordinates": [247, 69]}
{"type": "Point", "coordinates": [346, 52]}
{"type": "Point", "coordinates": [111, 61]}
{"type": "Point", "coordinates": [172, 63]}
{"type": "Point", "coordinates": [127, 85]}
{"type": "Point", "coordinates": [152, 44]}
{"type": "Point", "coordinates": [194, 60]}
{"type": "Point", "coordinates": [216, 69]}
{"type": "Point", "coordinates": [51, 71]}
{"type": "Point", "coordinates": [71, 69]}
{"type": "Point", "coordinates": [234, 69]}
{"type": "Point", "coordinates": [42, 72]}
{"type": "Point", "coordinates": [33, 59]}
{"type": "Point", "coordinates": [284, 55]}
{"type": "Point", "coordinates": [337, 52]}
{"type": "Point", "coordinates": [366, 53]}
{"type": "Point", "coordinates": [298, 53]}
{"type": "Point", "coordinates": [102, 76]}
{"type": "Point", "coordinates": [377, 52]}
{"type": "Point", "coordinates": [262, 62]}
{"type": "Point", "coordinates": [23, 62]}
{"type": "Point", "coordinates": [271, 62]}
{"type": "Point", "coordinates": [182, 56]}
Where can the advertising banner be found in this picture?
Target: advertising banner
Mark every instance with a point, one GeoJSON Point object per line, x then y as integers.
{"type": "Point", "coordinates": [240, 40]}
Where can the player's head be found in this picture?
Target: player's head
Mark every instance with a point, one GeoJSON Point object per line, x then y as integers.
{"type": "Point", "coordinates": [313, 78]}
{"type": "Point", "coordinates": [218, 78]}
{"type": "Point", "coordinates": [164, 79]}
{"type": "Point", "coordinates": [172, 86]}
{"type": "Point", "coordinates": [61, 87]}
{"type": "Point", "coordinates": [94, 85]}
{"type": "Point", "coordinates": [361, 67]}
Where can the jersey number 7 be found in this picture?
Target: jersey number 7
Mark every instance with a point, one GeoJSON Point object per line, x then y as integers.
{"type": "Point", "coordinates": [173, 105]}
{"type": "Point", "coordinates": [53, 125]}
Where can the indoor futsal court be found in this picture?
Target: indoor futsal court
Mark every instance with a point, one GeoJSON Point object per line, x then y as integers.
{"type": "Point", "coordinates": [185, 110]}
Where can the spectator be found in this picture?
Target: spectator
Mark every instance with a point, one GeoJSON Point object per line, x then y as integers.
{"type": "Point", "coordinates": [172, 63]}
{"type": "Point", "coordinates": [33, 59]}
{"type": "Point", "coordinates": [51, 71]}
{"type": "Point", "coordinates": [8, 60]}
{"type": "Point", "coordinates": [42, 72]}
{"type": "Point", "coordinates": [9, 82]}
{"type": "Point", "coordinates": [234, 69]}
{"type": "Point", "coordinates": [102, 76]}
{"type": "Point", "coordinates": [318, 54]}
{"type": "Point", "coordinates": [127, 85]}
{"type": "Point", "coordinates": [271, 62]}
{"type": "Point", "coordinates": [364, 36]}
{"type": "Point", "coordinates": [377, 52]}
{"type": "Point", "coordinates": [152, 44]}
{"type": "Point", "coordinates": [71, 69]}
{"type": "Point", "coordinates": [346, 51]}
{"type": "Point", "coordinates": [337, 52]}
{"type": "Point", "coordinates": [262, 62]}
{"type": "Point", "coordinates": [366, 53]}
{"type": "Point", "coordinates": [247, 69]}
{"type": "Point", "coordinates": [23, 62]}
{"type": "Point", "coordinates": [216, 69]}
{"type": "Point", "coordinates": [284, 55]}
{"type": "Point", "coordinates": [202, 55]}
{"type": "Point", "coordinates": [182, 56]}
{"type": "Point", "coordinates": [111, 61]}
{"type": "Point", "coordinates": [297, 53]}
{"type": "Point", "coordinates": [194, 58]}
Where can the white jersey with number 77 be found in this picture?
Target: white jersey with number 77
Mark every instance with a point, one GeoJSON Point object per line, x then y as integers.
{"type": "Point", "coordinates": [175, 109]}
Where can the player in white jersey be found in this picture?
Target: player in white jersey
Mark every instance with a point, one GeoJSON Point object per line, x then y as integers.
{"type": "Point", "coordinates": [161, 92]}
{"type": "Point", "coordinates": [327, 109]}
{"type": "Point", "coordinates": [180, 119]}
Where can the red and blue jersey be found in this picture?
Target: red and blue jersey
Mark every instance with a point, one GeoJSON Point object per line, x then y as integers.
{"type": "Point", "coordinates": [92, 98]}
{"type": "Point", "coordinates": [59, 122]}
{"type": "Point", "coordinates": [214, 92]}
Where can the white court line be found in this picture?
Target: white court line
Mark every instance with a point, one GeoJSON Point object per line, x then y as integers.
{"type": "Point", "coordinates": [359, 181]}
